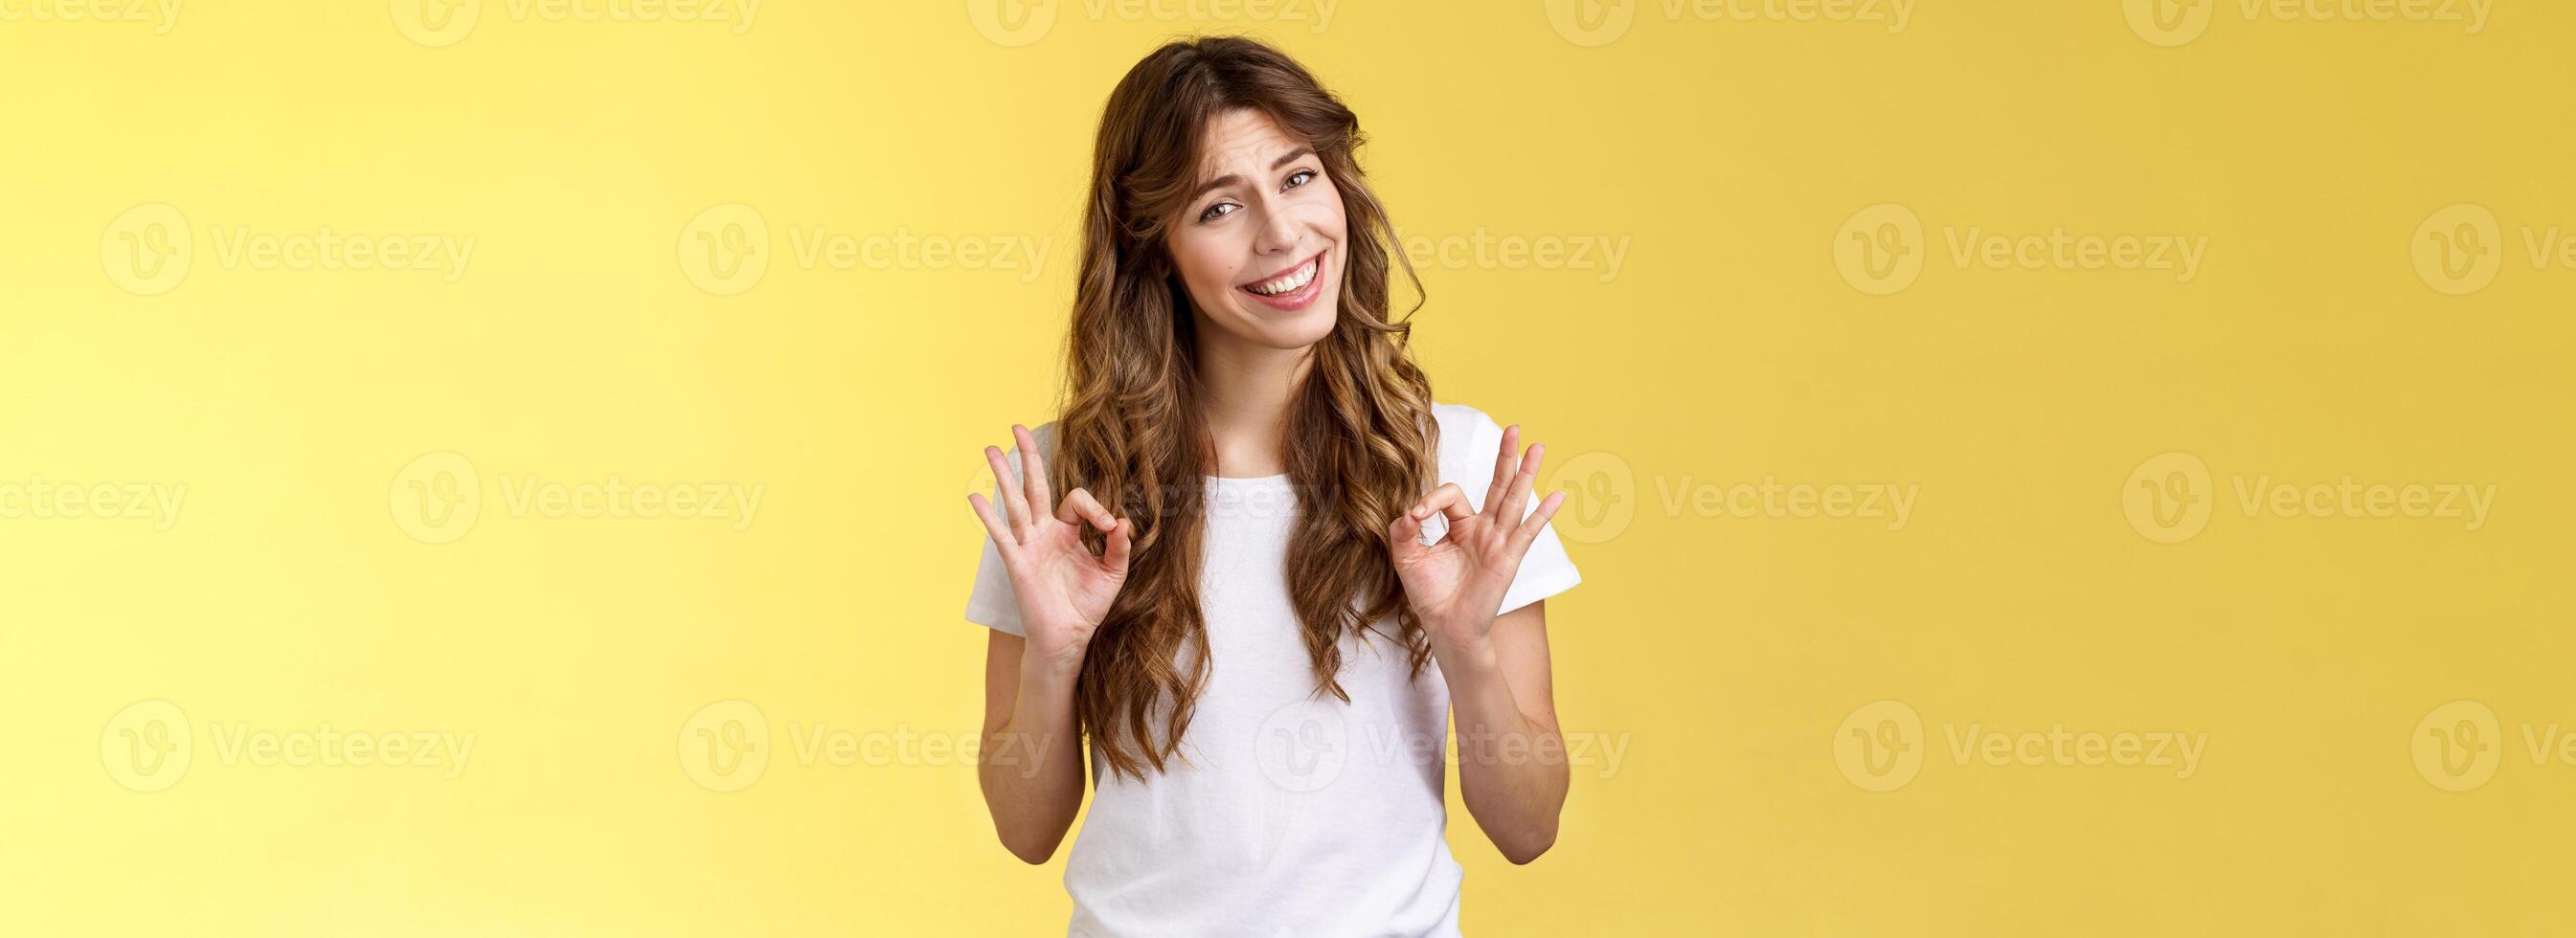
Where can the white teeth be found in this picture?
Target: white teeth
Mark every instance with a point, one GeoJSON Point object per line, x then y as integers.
{"type": "Point", "coordinates": [1291, 280]}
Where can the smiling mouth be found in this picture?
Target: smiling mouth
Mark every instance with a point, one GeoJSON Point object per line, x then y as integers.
{"type": "Point", "coordinates": [1290, 283]}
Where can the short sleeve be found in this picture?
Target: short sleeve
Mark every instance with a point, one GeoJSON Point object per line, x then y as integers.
{"type": "Point", "coordinates": [1470, 442]}
{"type": "Point", "coordinates": [993, 603]}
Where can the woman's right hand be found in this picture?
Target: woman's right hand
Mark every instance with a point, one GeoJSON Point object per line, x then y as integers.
{"type": "Point", "coordinates": [1063, 590]}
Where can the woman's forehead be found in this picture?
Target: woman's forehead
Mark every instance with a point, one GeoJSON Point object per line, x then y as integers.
{"type": "Point", "coordinates": [1243, 138]}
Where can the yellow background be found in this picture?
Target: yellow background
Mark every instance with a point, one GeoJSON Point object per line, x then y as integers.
{"type": "Point", "coordinates": [1723, 649]}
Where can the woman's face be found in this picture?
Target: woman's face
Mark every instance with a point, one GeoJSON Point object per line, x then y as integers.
{"type": "Point", "coordinates": [1260, 245]}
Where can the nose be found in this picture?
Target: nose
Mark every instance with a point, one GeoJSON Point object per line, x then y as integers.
{"type": "Point", "coordinates": [1279, 234]}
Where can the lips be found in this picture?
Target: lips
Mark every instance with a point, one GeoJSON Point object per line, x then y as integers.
{"type": "Point", "coordinates": [1299, 286]}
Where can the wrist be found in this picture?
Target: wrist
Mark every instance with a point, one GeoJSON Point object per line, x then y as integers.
{"type": "Point", "coordinates": [1050, 670]}
{"type": "Point", "coordinates": [1464, 654]}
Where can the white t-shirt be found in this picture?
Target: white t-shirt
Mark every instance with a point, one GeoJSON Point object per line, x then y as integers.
{"type": "Point", "coordinates": [1296, 814]}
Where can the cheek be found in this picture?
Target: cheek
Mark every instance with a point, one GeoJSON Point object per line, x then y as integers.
{"type": "Point", "coordinates": [1206, 265]}
{"type": "Point", "coordinates": [1325, 217]}
{"type": "Point", "coordinates": [1328, 212]}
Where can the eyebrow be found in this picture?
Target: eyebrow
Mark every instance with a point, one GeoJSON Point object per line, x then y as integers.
{"type": "Point", "coordinates": [1229, 179]}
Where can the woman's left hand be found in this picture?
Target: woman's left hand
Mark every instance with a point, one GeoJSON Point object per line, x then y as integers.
{"type": "Point", "coordinates": [1457, 584]}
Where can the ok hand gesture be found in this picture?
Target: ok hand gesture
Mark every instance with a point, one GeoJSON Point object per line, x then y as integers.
{"type": "Point", "coordinates": [1063, 590]}
{"type": "Point", "coordinates": [1457, 584]}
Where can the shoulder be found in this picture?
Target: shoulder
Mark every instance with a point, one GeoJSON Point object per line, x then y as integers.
{"type": "Point", "coordinates": [1461, 421]}
{"type": "Point", "coordinates": [1467, 438]}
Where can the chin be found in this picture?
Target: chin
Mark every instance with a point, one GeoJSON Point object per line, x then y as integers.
{"type": "Point", "coordinates": [1300, 329]}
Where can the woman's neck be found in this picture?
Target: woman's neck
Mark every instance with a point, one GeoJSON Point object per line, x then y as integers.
{"type": "Point", "coordinates": [1246, 393]}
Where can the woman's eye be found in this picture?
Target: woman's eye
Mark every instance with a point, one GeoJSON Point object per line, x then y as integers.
{"type": "Point", "coordinates": [1217, 210]}
{"type": "Point", "coordinates": [1300, 177]}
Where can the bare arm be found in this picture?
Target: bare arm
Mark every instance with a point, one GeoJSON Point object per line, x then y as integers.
{"type": "Point", "coordinates": [1511, 761]}
{"type": "Point", "coordinates": [1030, 765]}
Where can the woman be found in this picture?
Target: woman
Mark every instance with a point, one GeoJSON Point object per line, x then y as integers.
{"type": "Point", "coordinates": [1276, 566]}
